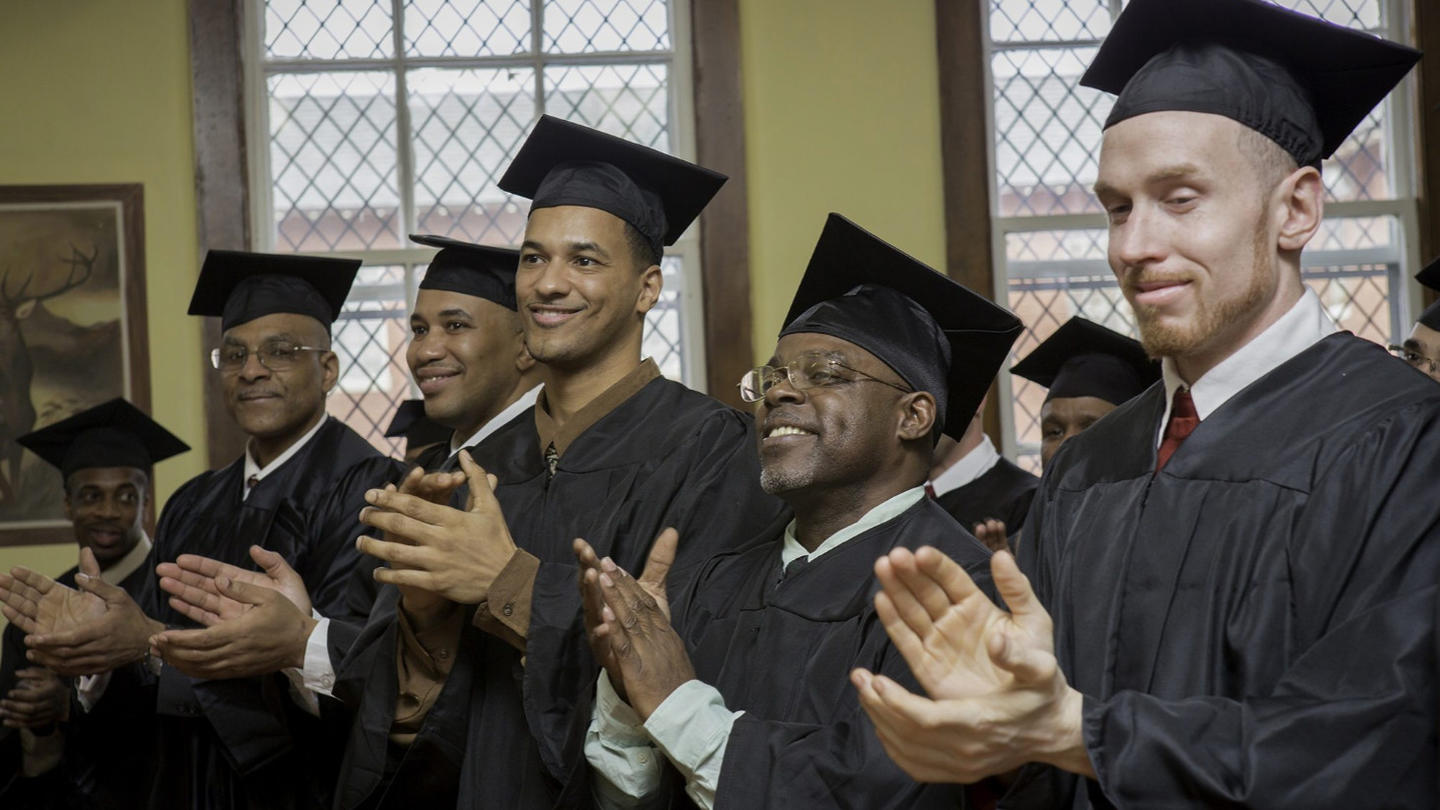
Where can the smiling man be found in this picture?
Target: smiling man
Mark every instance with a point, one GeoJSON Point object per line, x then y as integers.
{"type": "Point", "coordinates": [487, 657]}
{"type": "Point", "coordinates": [747, 695]}
{"type": "Point", "coordinates": [1237, 570]}
{"type": "Point", "coordinates": [57, 757]}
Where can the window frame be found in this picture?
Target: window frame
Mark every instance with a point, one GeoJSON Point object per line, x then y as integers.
{"type": "Point", "coordinates": [720, 337]}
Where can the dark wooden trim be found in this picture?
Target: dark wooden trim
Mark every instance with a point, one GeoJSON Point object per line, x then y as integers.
{"type": "Point", "coordinates": [725, 226]}
{"type": "Point", "coordinates": [1427, 122]}
{"type": "Point", "coordinates": [221, 181]}
{"type": "Point", "coordinates": [131, 197]}
{"type": "Point", "coordinates": [964, 156]}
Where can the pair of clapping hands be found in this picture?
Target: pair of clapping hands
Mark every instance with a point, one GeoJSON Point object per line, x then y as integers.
{"type": "Point", "coordinates": [257, 622]}
{"type": "Point", "coordinates": [997, 698]}
{"type": "Point", "coordinates": [249, 617]}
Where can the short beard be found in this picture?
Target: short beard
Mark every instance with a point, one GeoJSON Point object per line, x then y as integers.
{"type": "Point", "coordinates": [777, 481]}
{"type": "Point", "coordinates": [1178, 340]}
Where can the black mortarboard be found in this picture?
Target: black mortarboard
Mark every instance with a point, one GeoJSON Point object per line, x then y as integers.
{"type": "Point", "coordinates": [411, 422]}
{"type": "Point", "coordinates": [563, 163]}
{"type": "Point", "coordinates": [1430, 277]}
{"type": "Point", "coordinates": [479, 270]}
{"type": "Point", "coordinates": [111, 434]}
{"type": "Point", "coordinates": [937, 335]}
{"type": "Point", "coordinates": [1300, 81]}
{"type": "Point", "coordinates": [1084, 359]}
{"type": "Point", "coordinates": [239, 286]}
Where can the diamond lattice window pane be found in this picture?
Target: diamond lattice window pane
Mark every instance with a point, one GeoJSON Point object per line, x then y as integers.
{"type": "Point", "coordinates": [332, 160]}
{"type": "Point", "coordinates": [664, 339]}
{"type": "Point", "coordinates": [467, 27]}
{"type": "Point", "coordinates": [1351, 263]}
{"type": "Point", "coordinates": [467, 125]}
{"type": "Point", "coordinates": [1048, 20]}
{"type": "Point", "coordinates": [1053, 276]}
{"type": "Point", "coordinates": [588, 26]}
{"type": "Point", "coordinates": [370, 338]}
{"type": "Point", "coordinates": [328, 29]}
{"type": "Point", "coordinates": [1367, 14]}
{"type": "Point", "coordinates": [631, 101]}
{"type": "Point", "coordinates": [1047, 132]}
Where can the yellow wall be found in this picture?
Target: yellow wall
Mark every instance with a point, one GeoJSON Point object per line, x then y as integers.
{"type": "Point", "coordinates": [98, 91]}
{"type": "Point", "coordinates": [842, 113]}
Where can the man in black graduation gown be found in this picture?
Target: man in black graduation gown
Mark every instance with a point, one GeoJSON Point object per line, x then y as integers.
{"type": "Point", "coordinates": [242, 742]}
{"type": "Point", "coordinates": [612, 452]}
{"type": "Point", "coordinates": [1241, 564]}
{"type": "Point", "coordinates": [747, 695]}
{"type": "Point", "coordinates": [1088, 371]}
{"type": "Point", "coordinates": [55, 752]}
{"type": "Point", "coordinates": [1421, 348]}
{"type": "Point", "coordinates": [986, 492]}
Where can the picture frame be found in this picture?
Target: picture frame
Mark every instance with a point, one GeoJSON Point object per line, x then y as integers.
{"type": "Point", "coordinates": [73, 331]}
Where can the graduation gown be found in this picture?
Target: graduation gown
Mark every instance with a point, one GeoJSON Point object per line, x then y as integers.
{"type": "Point", "coordinates": [1253, 626]}
{"type": "Point", "coordinates": [1004, 491]}
{"type": "Point", "coordinates": [106, 750]}
{"type": "Point", "coordinates": [780, 646]}
{"type": "Point", "coordinates": [666, 456]}
{"type": "Point", "coordinates": [243, 742]}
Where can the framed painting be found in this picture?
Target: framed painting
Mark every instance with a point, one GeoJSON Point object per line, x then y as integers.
{"type": "Point", "coordinates": [72, 331]}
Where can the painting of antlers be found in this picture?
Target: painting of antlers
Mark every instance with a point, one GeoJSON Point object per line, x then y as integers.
{"type": "Point", "coordinates": [72, 331]}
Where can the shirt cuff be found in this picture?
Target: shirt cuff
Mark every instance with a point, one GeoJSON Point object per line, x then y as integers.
{"type": "Point", "coordinates": [505, 613]}
{"type": "Point", "coordinates": [90, 688]}
{"type": "Point", "coordinates": [317, 676]}
{"type": "Point", "coordinates": [620, 752]}
{"type": "Point", "coordinates": [692, 727]}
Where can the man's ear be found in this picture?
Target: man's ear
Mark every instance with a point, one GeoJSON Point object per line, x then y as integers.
{"type": "Point", "coordinates": [917, 416]}
{"type": "Point", "coordinates": [1302, 197]}
{"type": "Point", "coordinates": [652, 281]}
{"type": "Point", "coordinates": [524, 361]}
{"type": "Point", "coordinates": [329, 370]}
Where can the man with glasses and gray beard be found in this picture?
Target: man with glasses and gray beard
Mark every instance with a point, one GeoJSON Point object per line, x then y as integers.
{"type": "Point", "coordinates": [243, 743]}
{"type": "Point", "coordinates": [746, 694]}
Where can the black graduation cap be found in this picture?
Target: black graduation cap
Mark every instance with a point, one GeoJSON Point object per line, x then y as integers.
{"type": "Point", "coordinates": [479, 270]}
{"type": "Point", "coordinates": [240, 286]}
{"type": "Point", "coordinates": [937, 335]}
{"type": "Point", "coordinates": [564, 163]}
{"type": "Point", "coordinates": [418, 429]}
{"type": "Point", "coordinates": [1298, 80]}
{"type": "Point", "coordinates": [1084, 359]}
{"type": "Point", "coordinates": [1430, 277]}
{"type": "Point", "coordinates": [111, 434]}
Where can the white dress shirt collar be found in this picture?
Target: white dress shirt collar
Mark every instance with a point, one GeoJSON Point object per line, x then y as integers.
{"type": "Point", "coordinates": [1306, 324]}
{"type": "Point", "coordinates": [792, 550]}
{"type": "Point", "coordinates": [972, 465]}
{"type": "Point", "coordinates": [524, 403]}
{"type": "Point", "coordinates": [254, 473]}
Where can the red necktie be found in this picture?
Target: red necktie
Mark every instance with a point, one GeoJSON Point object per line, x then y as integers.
{"type": "Point", "coordinates": [930, 490]}
{"type": "Point", "coordinates": [1183, 421]}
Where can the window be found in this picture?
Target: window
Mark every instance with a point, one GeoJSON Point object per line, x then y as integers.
{"type": "Point", "coordinates": [374, 119]}
{"type": "Point", "coordinates": [1049, 232]}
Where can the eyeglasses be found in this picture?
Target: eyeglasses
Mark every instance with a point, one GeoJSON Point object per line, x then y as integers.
{"type": "Point", "coordinates": [276, 356]}
{"type": "Point", "coordinates": [1416, 359]}
{"type": "Point", "coordinates": [802, 376]}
